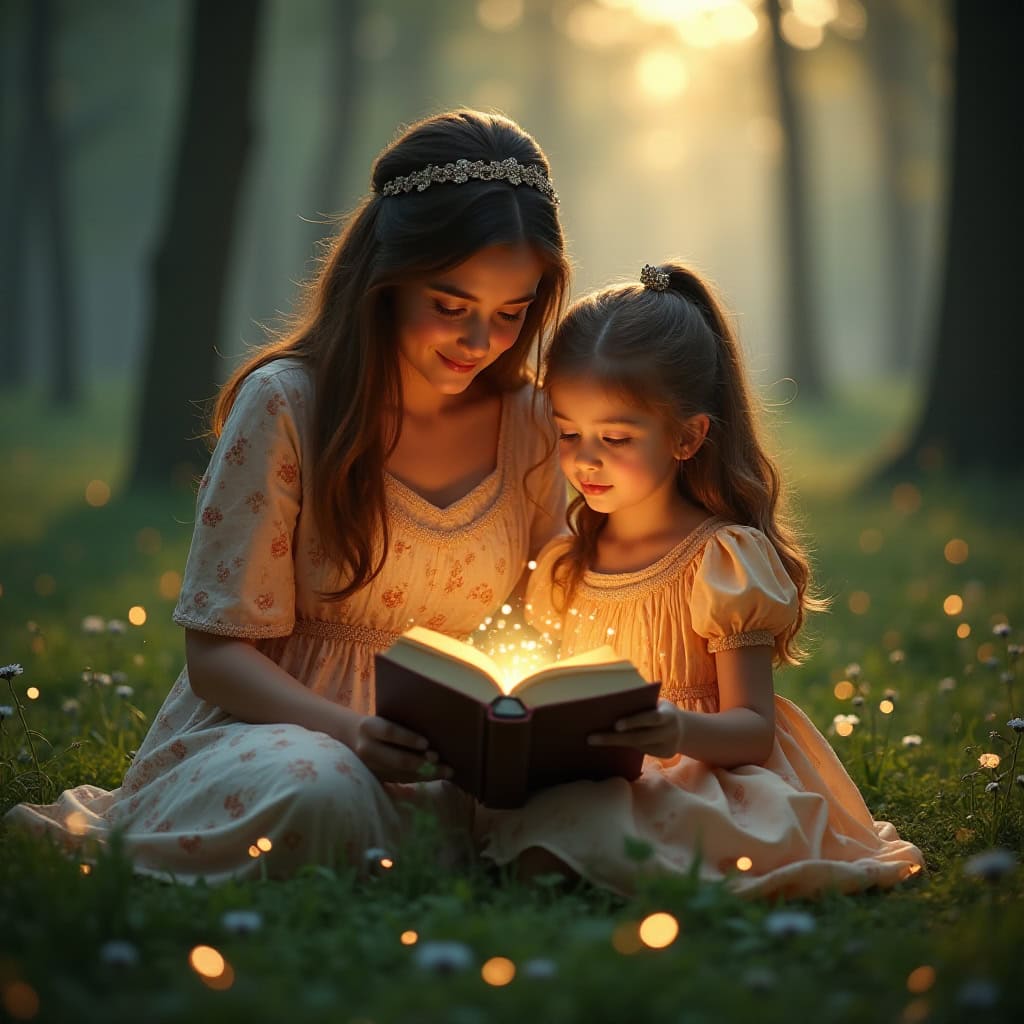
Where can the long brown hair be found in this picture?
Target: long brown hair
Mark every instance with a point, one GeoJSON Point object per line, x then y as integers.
{"type": "Point", "coordinates": [675, 353]}
{"type": "Point", "coordinates": [344, 329]}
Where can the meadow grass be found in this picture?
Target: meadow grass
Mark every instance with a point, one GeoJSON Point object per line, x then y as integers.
{"type": "Point", "coordinates": [108, 946]}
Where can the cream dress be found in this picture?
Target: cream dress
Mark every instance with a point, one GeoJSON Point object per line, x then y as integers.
{"type": "Point", "coordinates": [799, 818]}
{"type": "Point", "coordinates": [205, 786]}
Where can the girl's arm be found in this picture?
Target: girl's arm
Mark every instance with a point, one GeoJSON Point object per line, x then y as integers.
{"type": "Point", "coordinates": [238, 677]}
{"type": "Point", "coordinates": [741, 732]}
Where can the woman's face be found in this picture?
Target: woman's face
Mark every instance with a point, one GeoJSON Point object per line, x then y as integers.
{"type": "Point", "coordinates": [454, 324]}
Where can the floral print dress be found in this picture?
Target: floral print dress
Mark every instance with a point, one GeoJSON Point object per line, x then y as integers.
{"type": "Point", "coordinates": [205, 786]}
{"type": "Point", "coordinates": [794, 826]}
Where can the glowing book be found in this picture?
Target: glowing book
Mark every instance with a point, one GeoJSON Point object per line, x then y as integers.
{"type": "Point", "coordinates": [504, 746]}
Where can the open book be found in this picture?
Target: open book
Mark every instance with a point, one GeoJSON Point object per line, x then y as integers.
{"type": "Point", "coordinates": [504, 746]}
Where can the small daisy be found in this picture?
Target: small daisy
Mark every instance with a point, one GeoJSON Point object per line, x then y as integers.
{"type": "Point", "coordinates": [1016, 724]}
{"type": "Point", "coordinates": [8, 672]}
{"type": "Point", "coordinates": [1001, 629]}
{"type": "Point", "coordinates": [912, 740]}
{"type": "Point", "coordinates": [241, 922]}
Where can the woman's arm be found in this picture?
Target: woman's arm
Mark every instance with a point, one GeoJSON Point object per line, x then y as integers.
{"type": "Point", "coordinates": [238, 677]}
{"type": "Point", "coordinates": [741, 732]}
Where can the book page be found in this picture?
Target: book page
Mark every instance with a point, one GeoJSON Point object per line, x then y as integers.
{"type": "Point", "coordinates": [589, 674]}
{"type": "Point", "coordinates": [447, 660]}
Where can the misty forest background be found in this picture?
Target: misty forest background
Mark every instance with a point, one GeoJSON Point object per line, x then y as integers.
{"type": "Point", "coordinates": [837, 166]}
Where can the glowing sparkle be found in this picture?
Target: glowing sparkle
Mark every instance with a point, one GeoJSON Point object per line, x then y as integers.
{"type": "Point", "coordinates": [506, 609]}
{"type": "Point", "coordinates": [137, 615]}
{"type": "Point", "coordinates": [859, 602]}
{"type": "Point", "coordinates": [207, 962]}
{"type": "Point", "coordinates": [744, 863]}
{"type": "Point", "coordinates": [920, 979]}
{"type": "Point", "coordinates": [76, 823]}
{"type": "Point", "coordinates": [264, 844]}
{"type": "Point", "coordinates": [85, 869]}
{"type": "Point", "coordinates": [844, 728]}
{"type": "Point", "coordinates": [886, 707]}
{"type": "Point", "coordinates": [844, 690]}
{"type": "Point", "coordinates": [32, 693]}
{"type": "Point", "coordinates": [989, 760]}
{"type": "Point", "coordinates": [387, 863]}
{"type": "Point", "coordinates": [963, 631]}
{"type": "Point", "coordinates": [956, 551]}
{"type": "Point", "coordinates": [97, 493]}
{"type": "Point", "coordinates": [498, 971]}
{"type": "Point", "coordinates": [408, 938]}
{"type": "Point", "coordinates": [254, 851]}
{"type": "Point", "coordinates": [531, 565]}
{"type": "Point", "coordinates": [953, 605]}
{"type": "Point", "coordinates": [658, 930]}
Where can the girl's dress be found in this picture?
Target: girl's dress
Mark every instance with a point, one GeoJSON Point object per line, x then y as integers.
{"type": "Point", "coordinates": [205, 786]}
{"type": "Point", "coordinates": [799, 818]}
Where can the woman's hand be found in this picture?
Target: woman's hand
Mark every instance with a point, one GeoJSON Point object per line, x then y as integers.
{"type": "Point", "coordinates": [658, 732]}
{"type": "Point", "coordinates": [394, 754]}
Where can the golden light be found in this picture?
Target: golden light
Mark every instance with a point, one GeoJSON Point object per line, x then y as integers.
{"type": "Point", "coordinates": [626, 938]}
{"type": "Point", "coordinates": [506, 609]}
{"type": "Point", "coordinates": [32, 693]}
{"type": "Point", "coordinates": [871, 540]}
{"type": "Point", "coordinates": [20, 1000]}
{"type": "Point", "coordinates": [148, 540]}
{"type": "Point", "coordinates": [764, 135]}
{"type": "Point", "coordinates": [254, 851]}
{"type": "Point", "coordinates": [953, 605]}
{"type": "Point", "coordinates": [906, 498]}
{"type": "Point", "coordinates": [587, 24]}
{"type": "Point", "coordinates": [963, 631]}
{"type": "Point", "coordinates": [264, 845]}
{"type": "Point", "coordinates": [85, 869]}
{"type": "Point", "coordinates": [916, 1011]}
{"type": "Point", "coordinates": [499, 15]}
{"type": "Point", "coordinates": [658, 930]}
{"type": "Point", "coordinates": [859, 602]}
{"type": "Point", "coordinates": [989, 761]}
{"type": "Point", "coordinates": [408, 938]}
{"type": "Point", "coordinates": [207, 962]}
{"type": "Point", "coordinates": [662, 75]}
{"type": "Point", "coordinates": [76, 823]}
{"type": "Point", "coordinates": [815, 12]}
{"type": "Point", "coordinates": [985, 652]}
{"type": "Point", "coordinates": [531, 565]}
{"type": "Point", "coordinates": [734, 23]}
{"type": "Point", "coordinates": [137, 615]}
{"type": "Point", "coordinates": [744, 863]}
{"type": "Point", "coordinates": [97, 493]}
{"type": "Point", "coordinates": [920, 979]}
{"type": "Point", "coordinates": [799, 34]}
{"type": "Point", "coordinates": [221, 982]}
{"type": "Point", "coordinates": [844, 690]}
{"type": "Point", "coordinates": [387, 863]}
{"type": "Point", "coordinates": [169, 585]}
{"type": "Point", "coordinates": [956, 551]}
{"type": "Point", "coordinates": [915, 869]}
{"type": "Point", "coordinates": [498, 971]}
{"type": "Point", "coordinates": [658, 149]}
{"type": "Point", "coordinates": [852, 20]}
{"type": "Point", "coordinates": [844, 728]}
{"type": "Point", "coordinates": [886, 707]}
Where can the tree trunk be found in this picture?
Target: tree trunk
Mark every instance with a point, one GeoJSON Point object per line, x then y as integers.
{"type": "Point", "coordinates": [971, 418]}
{"type": "Point", "coordinates": [802, 359]}
{"type": "Point", "coordinates": [190, 269]}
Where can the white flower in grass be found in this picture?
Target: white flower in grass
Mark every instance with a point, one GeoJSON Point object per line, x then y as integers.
{"type": "Point", "coordinates": [124, 691]}
{"type": "Point", "coordinates": [116, 627]}
{"type": "Point", "coordinates": [853, 671]}
{"type": "Point", "coordinates": [1014, 650]}
{"type": "Point", "coordinates": [540, 968]}
{"type": "Point", "coordinates": [241, 922]}
{"type": "Point", "coordinates": [897, 656]}
{"type": "Point", "coordinates": [912, 740]}
{"type": "Point", "coordinates": [6, 711]}
{"type": "Point", "coordinates": [102, 678]}
{"type": "Point", "coordinates": [71, 706]}
{"type": "Point", "coordinates": [785, 923]}
{"type": "Point", "coordinates": [992, 787]}
{"type": "Point", "coordinates": [92, 625]}
{"type": "Point", "coordinates": [8, 672]}
{"type": "Point", "coordinates": [1006, 677]}
{"type": "Point", "coordinates": [1001, 629]}
{"type": "Point", "coordinates": [1016, 724]}
{"type": "Point", "coordinates": [443, 957]}
{"type": "Point", "coordinates": [119, 677]}
{"type": "Point", "coordinates": [991, 865]}
{"type": "Point", "coordinates": [119, 953]}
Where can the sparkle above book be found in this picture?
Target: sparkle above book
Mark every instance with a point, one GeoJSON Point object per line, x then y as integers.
{"type": "Point", "coordinates": [504, 746]}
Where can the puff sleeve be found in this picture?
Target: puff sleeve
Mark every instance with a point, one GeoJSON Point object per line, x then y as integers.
{"type": "Point", "coordinates": [239, 579]}
{"type": "Point", "coordinates": [539, 606]}
{"type": "Point", "coordinates": [741, 595]}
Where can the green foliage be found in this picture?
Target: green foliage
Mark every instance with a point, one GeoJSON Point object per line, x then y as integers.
{"type": "Point", "coordinates": [328, 947]}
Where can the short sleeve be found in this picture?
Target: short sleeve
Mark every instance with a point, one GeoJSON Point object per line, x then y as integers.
{"type": "Point", "coordinates": [742, 595]}
{"type": "Point", "coordinates": [539, 605]}
{"type": "Point", "coordinates": [240, 577]}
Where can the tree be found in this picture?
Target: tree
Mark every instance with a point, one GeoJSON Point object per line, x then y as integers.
{"type": "Point", "coordinates": [971, 418]}
{"type": "Point", "coordinates": [189, 271]}
{"type": "Point", "coordinates": [802, 352]}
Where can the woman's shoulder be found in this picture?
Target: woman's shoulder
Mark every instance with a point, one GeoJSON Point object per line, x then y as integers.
{"type": "Point", "coordinates": [288, 373]}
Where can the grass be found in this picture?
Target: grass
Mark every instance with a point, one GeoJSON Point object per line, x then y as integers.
{"type": "Point", "coordinates": [328, 945]}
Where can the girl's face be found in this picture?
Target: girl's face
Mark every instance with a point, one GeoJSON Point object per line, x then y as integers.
{"type": "Point", "coordinates": [456, 323]}
{"type": "Point", "coordinates": [617, 456]}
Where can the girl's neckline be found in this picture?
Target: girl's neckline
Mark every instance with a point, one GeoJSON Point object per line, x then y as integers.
{"type": "Point", "coordinates": [499, 465]}
{"type": "Point", "coordinates": [685, 551]}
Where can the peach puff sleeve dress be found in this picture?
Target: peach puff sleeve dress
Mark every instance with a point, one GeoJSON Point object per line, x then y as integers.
{"type": "Point", "coordinates": [799, 818]}
{"type": "Point", "coordinates": [204, 786]}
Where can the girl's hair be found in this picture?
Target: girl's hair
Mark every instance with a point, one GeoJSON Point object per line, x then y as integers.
{"type": "Point", "coordinates": [674, 353]}
{"type": "Point", "coordinates": [345, 329]}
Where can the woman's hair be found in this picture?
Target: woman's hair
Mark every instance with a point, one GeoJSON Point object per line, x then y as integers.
{"type": "Point", "coordinates": [674, 353]}
{"type": "Point", "coordinates": [345, 329]}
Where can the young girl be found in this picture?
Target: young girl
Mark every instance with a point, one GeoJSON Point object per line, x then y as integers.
{"type": "Point", "coordinates": [682, 559]}
{"type": "Point", "coordinates": [378, 466]}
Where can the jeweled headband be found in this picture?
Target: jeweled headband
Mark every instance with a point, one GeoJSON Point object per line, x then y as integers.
{"type": "Point", "coordinates": [653, 278]}
{"type": "Point", "coordinates": [458, 173]}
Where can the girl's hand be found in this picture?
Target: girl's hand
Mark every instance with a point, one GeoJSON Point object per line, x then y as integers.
{"type": "Point", "coordinates": [658, 732]}
{"type": "Point", "coordinates": [394, 754]}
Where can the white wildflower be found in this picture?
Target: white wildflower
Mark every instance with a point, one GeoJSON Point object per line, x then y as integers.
{"type": "Point", "coordinates": [119, 677]}
{"type": "Point", "coordinates": [116, 627]}
{"type": "Point", "coordinates": [1001, 629]}
{"type": "Point", "coordinates": [241, 922]}
{"type": "Point", "coordinates": [991, 865]}
{"type": "Point", "coordinates": [71, 706]}
{"type": "Point", "coordinates": [853, 671]}
{"type": "Point", "coordinates": [6, 711]}
{"type": "Point", "coordinates": [912, 740]}
{"type": "Point", "coordinates": [119, 953]}
{"type": "Point", "coordinates": [992, 787]}
{"type": "Point", "coordinates": [947, 685]}
{"type": "Point", "coordinates": [540, 967]}
{"type": "Point", "coordinates": [897, 656]}
{"type": "Point", "coordinates": [784, 923]}
{"type": "Point", "coordinates": [8, 672]}
{"type": "Point", "coordinates": [124, 691]}
{"type": "Point", "coordinates": [1016, 724]}
{"type": "Point", "coordinates": [92, 625]}
{"type": "Point", "coordinates": [443, 957]}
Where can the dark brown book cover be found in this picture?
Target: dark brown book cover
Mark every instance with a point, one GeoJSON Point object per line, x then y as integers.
{"type": "Point", "coordinates": [503, 760]}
